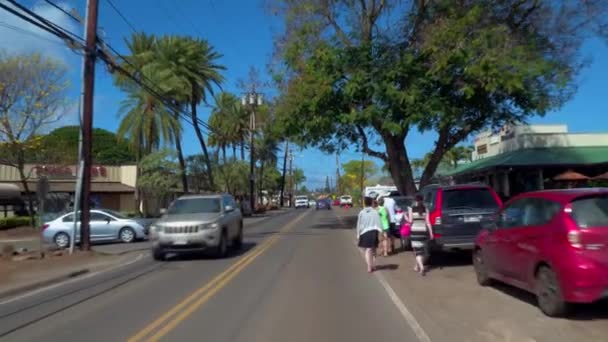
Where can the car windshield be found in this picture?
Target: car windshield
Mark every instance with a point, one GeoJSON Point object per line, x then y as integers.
{"type": "Point", "coordinates": [591, 212]}
{"type": "Point", "coordinates": [404, 202]}
{"type": "Point", "coordinates": [194, 206]}
{"type": "Point", "coordinates": [475, 198]}
{"type": "Point", "coordinates": [302, 198]}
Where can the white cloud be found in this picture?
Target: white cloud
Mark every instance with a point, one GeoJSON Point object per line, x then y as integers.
{"type": "Point", "coordinates": [19, 36]}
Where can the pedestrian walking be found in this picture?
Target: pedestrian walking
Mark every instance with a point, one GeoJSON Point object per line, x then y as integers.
{"type": "Point", "coordinates": [368, 228]}
{"type": "Point", "coordinates": [393, 230]}
{"type": "Point", "coordinates": [386, 234]}
{"type": "Point", "coordinates": [420, 240]}
{"type": "Point", "coordinates": [403, 221]}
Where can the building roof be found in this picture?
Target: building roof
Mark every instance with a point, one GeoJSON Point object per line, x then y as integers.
{"type": "Point", "coordinates": [101, 187]}
{"type": "Point", "coordinates": [554, 156]}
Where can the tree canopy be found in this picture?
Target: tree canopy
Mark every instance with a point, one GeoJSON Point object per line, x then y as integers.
{"type": "Point", "coordinates": [368, 72]}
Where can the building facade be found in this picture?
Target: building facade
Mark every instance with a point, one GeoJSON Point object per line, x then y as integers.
{"type": "Point", "coordinates": [112, 187]}
{"type": "Point", "coordinates": [520, 158]}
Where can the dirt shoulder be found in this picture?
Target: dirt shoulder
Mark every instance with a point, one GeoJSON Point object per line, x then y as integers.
{"type": "Point", "coordinates": [19, 275]}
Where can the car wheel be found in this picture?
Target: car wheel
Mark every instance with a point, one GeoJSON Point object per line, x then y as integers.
{"type": "Point", "coordinates": [238, 241]}
{"type": "Point", "coordinates": [549, 294]}
{"type": "Point", "coordinates": [481, 270]}
{"type": "Point", "coordinates": [158, 254]}
{"type": "Point", "coordinates": [126, 235]}
{"type": "Point", "coordinates": [62, 240]}
{"type": "Point", "coordinates": [222, 248]}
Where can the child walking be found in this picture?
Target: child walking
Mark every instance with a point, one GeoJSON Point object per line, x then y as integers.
{"type": "Point", "coordinates": [368, 227]}
{"type": "Point", "coordinates": [386, 234]}
{"type": "Point", "coordinates": [420, 243]}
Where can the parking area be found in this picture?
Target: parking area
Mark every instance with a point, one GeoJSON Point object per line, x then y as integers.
{"type": "Point", "coordinates": [450, 306]}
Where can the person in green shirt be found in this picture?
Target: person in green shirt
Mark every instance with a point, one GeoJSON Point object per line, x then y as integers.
{"type": "Point", "coordinates": [384, 219]}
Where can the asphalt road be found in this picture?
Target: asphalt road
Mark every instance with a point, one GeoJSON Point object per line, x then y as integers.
{"type": "Point", "coordinates": [299, 278]}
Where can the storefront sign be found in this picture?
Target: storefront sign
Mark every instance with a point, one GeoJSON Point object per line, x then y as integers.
{"type": "Point", "coordinates": [66, 172]}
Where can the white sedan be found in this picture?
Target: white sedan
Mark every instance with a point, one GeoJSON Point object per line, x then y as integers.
{"type": "Point", "coordinates": [106, 225]}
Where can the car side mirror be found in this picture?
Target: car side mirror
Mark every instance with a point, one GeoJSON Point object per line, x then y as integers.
{"type": "Point", "coordinates": [163, 211]}
{"type": "Point", "coordinates": [108, 220]}
{"type": "Point", "coordinates": [229, 208]}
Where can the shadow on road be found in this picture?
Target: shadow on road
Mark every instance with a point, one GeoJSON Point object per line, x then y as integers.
{"type": "Point", "coordinates": [281, 233]}
{"type": "Point", "coordinates": [387, 267]}
{"type": "Point", "coordinates": [247, 246]}
{"type": "Point", "coordinates": [440, 260]}
{"type": "Point", "coordinates": [332, 223]}
{"type": "Point", "coordinates": [578, 312]}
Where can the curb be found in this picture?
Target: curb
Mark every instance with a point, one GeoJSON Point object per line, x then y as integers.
{"type": "Point", "coordinates": [139, 249]}
{"type": "Point", "coordinates": [36, 285]}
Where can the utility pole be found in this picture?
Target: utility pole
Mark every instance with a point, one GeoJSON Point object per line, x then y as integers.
{"type": "Point", "coordinates": [90, 55]}
{"type": "Point", "coordinates": [290, 179]}
{"type": "Point", "coordinates": [362, 178]}
{"type": "Point", "coordinates": [252, 99]}
{"type": "Point", "coordinates": [338, 188]}
{"type": "Point", "coordinates": [284, 170]}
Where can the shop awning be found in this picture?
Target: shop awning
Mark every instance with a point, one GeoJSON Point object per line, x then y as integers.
{"type": "Point", "coordinates": [10, 194]}
{"type": "Point", "coordinates": [541, 157]}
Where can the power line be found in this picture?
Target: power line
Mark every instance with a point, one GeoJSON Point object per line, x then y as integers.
{"type": "Point", "coordinates": [64, 11]}
{"type": "Point", "coordinates": [50, 26]}
{"type": "Point", "coordinates": [31, 33]}
{"type": "Point", "coordinates": [111, 3]}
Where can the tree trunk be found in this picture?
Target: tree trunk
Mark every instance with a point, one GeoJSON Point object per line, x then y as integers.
{"type": "Point", "coordinates": [26, 189]}
{"type": "Point", "coordinates": [234, 151]}
{"type": "Point", "coordinates": [200, 137]}
{"type": "Point", "coordinates": [242, 149]}
{"type": "Point", "coordinates": [435, 159]}
{"type": "Point", "coordinates": [182, 164]}
{"type": "Point", "coordinates": [399, 165]}
{"type": "Point", "coordinates": [261, 183]}
{"type": "Point", "coordinates": [224, 153]}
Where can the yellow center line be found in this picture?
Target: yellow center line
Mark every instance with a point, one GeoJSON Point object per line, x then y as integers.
{"type": "Point", "coordinates": [213, 287]}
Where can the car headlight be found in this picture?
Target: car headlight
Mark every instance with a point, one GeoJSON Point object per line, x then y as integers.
{"type": "Point", "coordinates": [213, 225]}
{"type": "Point", "coordinates": [155, 229]}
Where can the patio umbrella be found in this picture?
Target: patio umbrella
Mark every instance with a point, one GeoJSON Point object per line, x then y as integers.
{"type": "Point", "coordinates": [603, 176]}
{"type": "Point", "coordinates": [570, 176]}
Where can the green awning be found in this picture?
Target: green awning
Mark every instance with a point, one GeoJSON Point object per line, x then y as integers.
{"type": "Point", "coordinates": [554, 156]}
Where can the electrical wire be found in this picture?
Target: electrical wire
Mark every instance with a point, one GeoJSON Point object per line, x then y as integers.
{"type": "Point", "coordinates": [115, 8]}
{"type": "Point", "coordinates": [64, 11]}
{"type": "Point", "coordinates": [31, 33]}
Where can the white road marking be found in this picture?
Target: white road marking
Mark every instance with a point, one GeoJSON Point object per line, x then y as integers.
{"type": "Point", "coordinates": [405, 313]}
{"type": "Point", "coordinates": [79, 278]}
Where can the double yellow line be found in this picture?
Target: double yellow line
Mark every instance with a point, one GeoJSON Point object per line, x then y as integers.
{"type": "Point", "coordinates": [172, 318]}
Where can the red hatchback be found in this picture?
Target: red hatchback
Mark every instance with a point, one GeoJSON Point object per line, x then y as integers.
{"type": "Point", "coordinates": [552, 243]}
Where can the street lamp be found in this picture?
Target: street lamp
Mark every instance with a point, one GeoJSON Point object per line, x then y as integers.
{"type": "Point", "coordinates": [252, 100]}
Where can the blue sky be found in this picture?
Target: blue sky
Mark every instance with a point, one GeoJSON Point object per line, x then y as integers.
{"type": "Point", "coordinates": [243, 31]}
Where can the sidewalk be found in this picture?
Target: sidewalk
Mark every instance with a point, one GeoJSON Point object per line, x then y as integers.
{"type": "Point", "coordinates": [450, 306]}
{"type": "Point", "coordinates": [22, 276]}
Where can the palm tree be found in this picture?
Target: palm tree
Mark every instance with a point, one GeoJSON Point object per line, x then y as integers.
{"type": "Point", "coordinates": [194, 63]}
{"type": "Point", "coordinates": [225, 129]}
{"type": "Point", "coordinates": [267, 149]}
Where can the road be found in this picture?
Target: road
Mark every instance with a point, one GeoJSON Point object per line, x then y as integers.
{"type": "Point", "coordinates": [299, 278]}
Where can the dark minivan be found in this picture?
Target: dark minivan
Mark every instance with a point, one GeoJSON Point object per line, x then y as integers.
{"type": "Point", "coordinates": [456, 213]}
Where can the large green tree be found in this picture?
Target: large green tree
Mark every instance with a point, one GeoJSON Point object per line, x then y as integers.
{"type": "Point", "coordinates": [107, 148]}
{"type": "Point", "coordinates": [368, 72]}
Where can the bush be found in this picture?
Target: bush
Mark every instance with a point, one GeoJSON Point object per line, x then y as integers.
{"type": "Point", "coordinates": [15, 221]}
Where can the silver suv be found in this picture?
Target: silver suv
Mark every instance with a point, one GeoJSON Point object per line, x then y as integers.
{"type": "Point", "coordinates": [196, 223]}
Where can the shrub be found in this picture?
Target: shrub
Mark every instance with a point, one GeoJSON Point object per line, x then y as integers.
{"type": "Point", "coordinates": [15, 221]}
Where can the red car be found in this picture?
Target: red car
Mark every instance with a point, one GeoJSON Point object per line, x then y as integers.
{"type": "Point", "coordinates": [552, 243]}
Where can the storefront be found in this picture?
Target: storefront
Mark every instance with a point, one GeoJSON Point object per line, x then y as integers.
{"type": "Point", "coordinates": [112, 187]}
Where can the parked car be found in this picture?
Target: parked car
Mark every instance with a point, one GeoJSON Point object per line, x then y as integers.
{"type": "Point", "coordinates": [552, 243]}
{"type": "Point", "coordinates": [245, 207]}
{"type": "Point", "coordinates": [346, 201]}
{"type": "Point", "coordinates": [456, 212]}
{"type": "Point", "coordinates": [106, 225]}
{"type": "Point", "coordinates": [196, 223]}
{"type": "Point", "coordinates": [336, 202]}
{"type": "Point", "coordinates": [312, 203]}
{"type": "Point", "coordinates": [302, 202]}
{"type": "Point", "coordinates": [324, 203]}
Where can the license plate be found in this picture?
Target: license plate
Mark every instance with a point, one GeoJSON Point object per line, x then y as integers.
{"type": "Point", "coordinates": [180, 242]}
{"type": "Point", "coordinates": [472, 219]}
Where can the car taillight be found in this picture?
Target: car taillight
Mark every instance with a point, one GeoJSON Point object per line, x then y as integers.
{"type": "Point", "coordinates": [436, 236]}
{"type": "Point", "coordinates": [574, 238]}
{"type": "Point", "coordinates": [44, 226]}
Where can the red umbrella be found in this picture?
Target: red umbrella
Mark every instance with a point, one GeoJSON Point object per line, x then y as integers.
{"type": "Point", "coordinates": [570, 176]}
